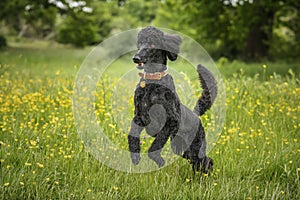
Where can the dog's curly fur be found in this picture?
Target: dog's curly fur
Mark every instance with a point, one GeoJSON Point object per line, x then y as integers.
{"type": "Point", "coordinates": [158, 108]}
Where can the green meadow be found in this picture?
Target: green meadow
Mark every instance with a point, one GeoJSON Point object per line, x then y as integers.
{"type": "Point", "coordinates": [256, 156]}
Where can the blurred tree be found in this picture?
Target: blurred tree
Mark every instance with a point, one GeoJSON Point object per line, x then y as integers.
{"type": "Point", "coordinates": [83, 22]}
{"type": "Point", "coordinates": [20, 15]}
{"type": "Point", "coordinates": [249, 29]}
{"type": "Point", "coordinates": [2, 42]}
{"type": "Point", "coordinates": [103, 14]}
{"type": "Point", "coordinates": [236, 29]}
{"type": "Point", "coordinates": [82, 28]}
{"type": "Point", "coordinates": [135, 13]}
{"type": "Point", "coordinates": [79, 31]}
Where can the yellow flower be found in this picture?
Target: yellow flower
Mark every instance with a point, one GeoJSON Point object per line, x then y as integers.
{"type": "Point", "coordinates": [32, 142]}
{"type": "Point", "coordinates": [264, 66]}
{"type": "Point", "coordinates": [40, 165]}
{"type": "Point", "coordinates": [115, 188]}
{"type": "Point", "coordinates": [6, 184]}
{"type": "Point", "coordinates": [57, 72]}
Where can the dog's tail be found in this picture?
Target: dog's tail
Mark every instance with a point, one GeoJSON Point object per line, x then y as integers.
{"type": "Point", "coordinates": [209, 93]}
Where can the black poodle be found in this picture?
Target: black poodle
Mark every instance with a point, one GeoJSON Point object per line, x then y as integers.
{"type": "Point", "coordinates": [158, 108]}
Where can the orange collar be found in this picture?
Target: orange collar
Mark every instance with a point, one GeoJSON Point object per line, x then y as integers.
{"type": "Point", "coordinates": [153, 76]}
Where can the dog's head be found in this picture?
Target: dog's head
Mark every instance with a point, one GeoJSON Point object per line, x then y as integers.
{"type": "Point", "coordinates": [154, 47]}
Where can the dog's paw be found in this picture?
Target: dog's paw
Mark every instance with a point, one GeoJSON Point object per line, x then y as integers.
{"type": "Point", "coordinates": [204, 165]}
{"type": "Point", "coordinates": [207, 165]}
{"type": "Point", "coordinates": [157, 158]}
{"type": "Point", "coordinates": [135, 158]}
{"type": "Point", "coordinates": [161, 163]}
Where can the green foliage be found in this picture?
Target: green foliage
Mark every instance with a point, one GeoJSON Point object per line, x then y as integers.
{"type": "Point", "coordinates": [31, 18]}
{"type": "Point", "coordinates": [102, 16]}
{"type": "Point", "coordinates": [42, 19]}
{"type": "Point", "coordinates": [79, 31]}
{"type": "Point", "coordinates": [248, 31]}
{"type": "Point", "coordinates": [2, 41]}
{"type": "Point", "coordinates": [134, 13]}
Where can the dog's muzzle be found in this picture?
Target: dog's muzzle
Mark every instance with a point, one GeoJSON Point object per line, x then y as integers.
{"type": "Point", "coordinates": [136, 59]}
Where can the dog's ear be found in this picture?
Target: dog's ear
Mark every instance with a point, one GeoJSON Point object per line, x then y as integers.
{"type": "Point", "coordinates": [171, 44]}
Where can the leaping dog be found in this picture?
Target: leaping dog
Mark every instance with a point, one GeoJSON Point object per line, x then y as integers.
{"type": "Point", "coordinates": [158, 108]}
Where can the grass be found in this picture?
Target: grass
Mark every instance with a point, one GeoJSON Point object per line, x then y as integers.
{"type": "Point", "coordinates": [42, 157]}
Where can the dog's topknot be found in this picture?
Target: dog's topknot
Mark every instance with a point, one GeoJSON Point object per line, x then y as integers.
{"type": "Point", "coordinates": [151, 36]}
{"type": "Point", "coordinates": [168, 42]}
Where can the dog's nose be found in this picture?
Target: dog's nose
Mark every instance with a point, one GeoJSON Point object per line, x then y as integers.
{"type": "Point", "coordinates": [136, 59]}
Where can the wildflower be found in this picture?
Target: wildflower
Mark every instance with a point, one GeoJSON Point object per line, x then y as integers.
{"type": "Point", "coordinates": [6, 184]}
{"type": "Point", "coordinates": [32, 142]}
{"type": "Point", "coordinates": [115, 188]}
{"type": "Point", "coordinates": [40, 165]}
{"type": "Point", "coordinates": [264, 66]}
{"type": "Point", "coordinates": [27, 164]}
{"type": "Point", "coordinates": [21, 183]}
{"type": "Point", "coordinates": [57, 72]}
{"type": "Point", "coordinates": [187, 180]}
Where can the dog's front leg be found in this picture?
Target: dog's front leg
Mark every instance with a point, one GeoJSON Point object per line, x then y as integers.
{"type": "Point", "coordinates": [134, 142]}
{"type": "Point", "coordinates": [156, 147]}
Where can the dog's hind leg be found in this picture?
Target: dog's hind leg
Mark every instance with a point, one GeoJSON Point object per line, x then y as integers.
{"type": "Point", "coordinates": [197, 152]}
{"type": "Point", "coordinates": [134, 142]}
